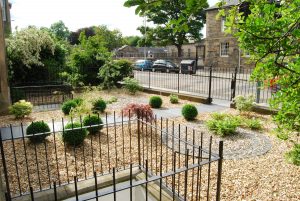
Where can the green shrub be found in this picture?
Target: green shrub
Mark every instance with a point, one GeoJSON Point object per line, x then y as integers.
{"type": "Point", "coordinates": [38, 127]}
{"type": "Point", "coordinates": [67, 106]}
{"type": "Point", "coordinates": [254, 124]}
{"type": "Point", "coordinates": [112, 72]}
{"type": "Point", "coordinates": [73, 134]}
{"type": "Point", "coordinates": [293, 156]}
{"type": "Point", "coordinates": [222, 127]}
{"type": "Point", "coordinates": [78, 101]}
{"type": "Point", "coordinates": [189, 112]}
{"type": "Point", "coordinates": [99, 105]}
{"type": "Point", "coordinates": [244, 104]}
{"type": "Point", "coordinates": [219, 116]}
{"type": "Point", "coordinates": [113, 99]}
{"type": "Point", "coordinates": [131, 85]}
{"type": "Point", "coordinates": [21, 109]}
{"type": "Point", "coordinates": [93, 120]}
{"type": "Point", "coordinates": [155, 102]}
{"type": "Point", "coordinates": [174, 99]}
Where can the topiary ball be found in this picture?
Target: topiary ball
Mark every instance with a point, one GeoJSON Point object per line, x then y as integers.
{"type": "Point", "coordinates": [99, 105]}
{"type": "Point", "coordinates": [40, 128]}
{"type": "Point", "coordinates": [155, 102]}
{"type": "Point", "coordinates": [67, 106]}
{"type": "Point", "coordinates": [92, 120]}
{"type": "Point", "coordinates": [74, 135]}
{"type": "Point", "coordinates": [189, 112]}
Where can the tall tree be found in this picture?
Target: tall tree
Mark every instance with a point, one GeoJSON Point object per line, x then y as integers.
{"type": "Point", "coordinates": [132, 40]}
{"type": "Point", "coordinates": [177, 21]}
{"type": "Point", "coordinates": [270, 32]}
{"type": "Point", "coordinates": [60, 30]}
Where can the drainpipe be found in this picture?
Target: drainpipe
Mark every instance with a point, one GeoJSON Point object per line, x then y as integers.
{"type": "Point", "coordinates": [239, 65]}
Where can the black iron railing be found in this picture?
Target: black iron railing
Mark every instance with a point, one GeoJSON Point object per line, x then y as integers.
{"type": "Point", "coordinates": [175, 158]}
{"type": "Point", "coordinates": [213, 83]}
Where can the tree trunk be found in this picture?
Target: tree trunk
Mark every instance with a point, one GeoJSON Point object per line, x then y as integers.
{"type": "Point", "coordinates": [179, 50]}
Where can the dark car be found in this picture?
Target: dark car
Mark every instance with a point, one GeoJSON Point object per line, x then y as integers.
{"type": "Point", "coordinates": [164, 66]}
{"type": "Point", "coordinates": [143, 65]}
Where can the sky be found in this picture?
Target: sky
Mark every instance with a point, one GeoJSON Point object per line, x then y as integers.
{"type": "Point", "coordinates": [77, 14]}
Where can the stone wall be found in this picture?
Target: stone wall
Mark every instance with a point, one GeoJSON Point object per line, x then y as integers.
{"type": "Point", "coordinates": [214, 38]}
{"type": "Point", "coordinates": [4, 89]}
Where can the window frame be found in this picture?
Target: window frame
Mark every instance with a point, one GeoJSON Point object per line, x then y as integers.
{"type": "Point", "coordinates": [221, 49]}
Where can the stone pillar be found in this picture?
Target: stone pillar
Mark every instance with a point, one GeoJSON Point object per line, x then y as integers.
{"type": "Point", "coordinates": [4, 87]}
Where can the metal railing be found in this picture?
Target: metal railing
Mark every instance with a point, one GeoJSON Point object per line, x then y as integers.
{"type": "Point", "coordinates": [213, 83]}
{"type": "Point", "coordinates": [174, 157]}
{"type": "Point", "coordinates": [46, 96]}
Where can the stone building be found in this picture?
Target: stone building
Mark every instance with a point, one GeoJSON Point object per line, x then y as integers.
{"type": "Point", "coordinates": [222, 50]}
{"type": "Point", "coordinates": [5, 28]}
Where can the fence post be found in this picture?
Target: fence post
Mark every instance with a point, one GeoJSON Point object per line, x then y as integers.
{"type": "Point", "coordinates": [139, 137]}
{"type": "Point", "coordinates": [210, 85]}
{"type": "Point", "coordinates": [149, 78]}
{"type": "Point", "coordinates": [4, 167]}
{"type": "Point", "coordinates": [258, 85]}
{"type": "Point", "coordinates": [233, 84]}
{"type": "Point", "coordinates": [218, 197]}
{"type": "Point", "coordinates": [178, 82]}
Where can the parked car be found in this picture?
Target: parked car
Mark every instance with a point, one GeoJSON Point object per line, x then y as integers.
{"type": "Point", "coordinates": [143, 65]}
{"type": "Point", "coordinates": [164, 66]}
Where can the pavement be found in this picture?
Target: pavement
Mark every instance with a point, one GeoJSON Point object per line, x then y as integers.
{"type": "Point", "coordinates": [18, 131]}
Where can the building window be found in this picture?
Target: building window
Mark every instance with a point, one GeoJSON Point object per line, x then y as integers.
{"type": "Point", "coordinates": [223, 20]}
{"type": "Point", "coordinates": [224, 49]}
{"type": "Point", "coordinates": [189, 52]}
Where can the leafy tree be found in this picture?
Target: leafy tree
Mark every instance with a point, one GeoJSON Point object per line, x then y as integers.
{"type": "Point", "coordinates": [74, 36]}
{"type": "Point", "coordinates": [269, 31]}
{"type": "Point", "coordinates": [34, 56]}
{"type": "Point", "coordinates": [111, 38]}
{"type": "Point", "coordinates": [60, 30]}
{"type": "Point", "coordinates": [177, 21]}
{"type": "Point", "coordinates": [132, 40]}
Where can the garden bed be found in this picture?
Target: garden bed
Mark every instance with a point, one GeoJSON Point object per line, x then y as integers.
{"type": "Point", "coordinates": [123, 99]}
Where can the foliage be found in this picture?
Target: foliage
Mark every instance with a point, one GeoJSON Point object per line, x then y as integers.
{"type": "Point", "coordinates": [293, 156]}
{"type": "Point", "coordinates": [132, 40]}
{"type": "Point", "coordinates": [85, 61]}
{"type": "Point", "coordinates": [40, 128]}
{"type": "Point", "coordinates": [67, 106]}
{"type": "Point", "coordinates": [74, 36]}
{"type": "Point", "coordinates": [60, 30]}
{"type": "Point", "coordinates": [99, 105]}
{"type": "Point", "coordinates": [155, 101]}
{"type": "Point", "coordinates": [21, 109]}
{"type": "Point", "coordinates": [34, 56]}
{"type": "Point", "coordinates": [114, 71]}
{"type": "Point", "coordinates": [78, 101]}
{"type": "Point", "coordinates": [269, 31]}
{"type": "Point", "coordinates": [113, 99]}
{"type": "Point", "coordinates": [144, 111]}
{"type": "Point", "coordinates": [176, 22]}
{"type": "Point", "coordinates": [112, 38]}
{"type": "Point", "coordinates": [222, 127]}
{"type": "Point", "coordinates": [17, 94]}
{"type": "Point", "coordinates": [244, 104]}
{"type": "Point", "coordinates": [132, 85]}
{"type": "Point", "coordinates": [254, 124]}
{"type": "Point", "coordinates": [74, 134]}
{"type": "Point", "coordinates": [189, 112]}
{"type": "Point", "coordinates": [174, 99]}
{"type": "Point", "coordinates": [95, 123]}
